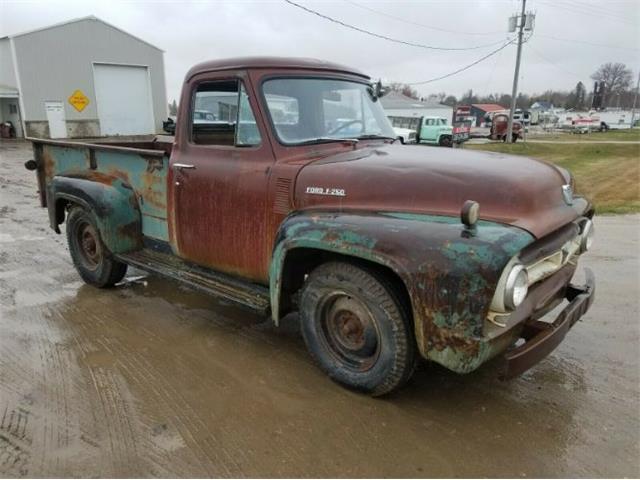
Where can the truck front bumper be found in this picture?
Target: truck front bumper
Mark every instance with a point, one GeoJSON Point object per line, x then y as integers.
{"type": "Point", "coordinates": [541, 338]}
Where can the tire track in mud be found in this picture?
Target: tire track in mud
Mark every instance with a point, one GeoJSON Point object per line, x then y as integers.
{"type": "Point", "coordinates": [15, 442]}
{"type": "Point", "coordinates": [201, 446]}
{"type": "Point", "coordinates": [193, 430]}
{"type": "Point", "coordinates": [112, 411]}
{"type": "Point", "coordinates": [132, 451]}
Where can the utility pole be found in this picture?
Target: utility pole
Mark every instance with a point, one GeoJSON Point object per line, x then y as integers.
{"type": "Point", "coordinates": [635, 99]}
{"type": "Point", "coordinates": [514, 91]}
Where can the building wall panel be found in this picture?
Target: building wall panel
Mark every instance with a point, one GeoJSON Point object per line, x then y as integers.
{"type": "Point", "coordinates": [54, 62]}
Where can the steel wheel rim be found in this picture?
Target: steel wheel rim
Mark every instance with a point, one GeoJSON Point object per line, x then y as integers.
{"type": "Point", "coordinates": [90, 248]}
{"type": "Point", "coordinates": [349, 331]}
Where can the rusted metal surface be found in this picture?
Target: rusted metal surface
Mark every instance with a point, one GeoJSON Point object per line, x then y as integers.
{"type": "Point", "coordinates": [450, 273]}
{"type": "Point", "coordinates": [240, 293]}
{"type": "Point", "coordinates": [510, 189]}
{"type": "Point", "coordinates": [242, 211]}
{"type": "Point", "coordinates": [219, 210]}
{"type": "Point", "coordinates": [272, 64]}
{"type": "Point", "coordinates": [542, 337]}
{"type": "Point", "coordinates": [124, 187]}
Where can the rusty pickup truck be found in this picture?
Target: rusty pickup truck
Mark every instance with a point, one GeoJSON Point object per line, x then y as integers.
{"type": "Point", "coordinates": [285, 190]}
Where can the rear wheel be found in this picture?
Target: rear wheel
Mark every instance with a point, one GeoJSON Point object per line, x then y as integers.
{"type": "Point", "coordinates": [92, 260]}
{"type": "Point", "coordinates": [356, 328]}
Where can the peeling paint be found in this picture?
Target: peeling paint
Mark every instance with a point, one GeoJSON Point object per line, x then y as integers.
{"type": "Point", "coordinates": [450, 276]}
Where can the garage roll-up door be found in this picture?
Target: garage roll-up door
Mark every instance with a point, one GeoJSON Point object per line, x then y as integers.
{"type": "Point", "coordinates": [123, 99]}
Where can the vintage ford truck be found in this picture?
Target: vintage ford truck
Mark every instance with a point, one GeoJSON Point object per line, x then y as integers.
{"type": "Point", "coordinates": [297, 197]}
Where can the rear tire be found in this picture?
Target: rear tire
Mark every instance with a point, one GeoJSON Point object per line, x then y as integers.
{"type": "Point", "coordinates": [93, 262]}
{"type": "Point", "coordinates": [357, 329]}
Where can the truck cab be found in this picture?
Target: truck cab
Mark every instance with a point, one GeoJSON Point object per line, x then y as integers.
{"type": "Point", "coordinates": [297, 197]}
{"type": "Point", "coordinates": [437, 131]}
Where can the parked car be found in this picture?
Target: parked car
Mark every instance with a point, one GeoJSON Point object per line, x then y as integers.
{"type": "Point", "coordinates": [405, 127]}
{"type": "Point", "coordinates": [387, 252]}
{"type": "Point", "coordinates": [499, 128]}
{"type": "Point", "coordinates": [405, 135]}
{"type": "Point", "coordinates": [437, 131]}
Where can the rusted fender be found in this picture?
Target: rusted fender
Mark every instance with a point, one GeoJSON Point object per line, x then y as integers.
{"type": "Point", "coordinates": [112, 202]}
{"type": "Point", "coordinates": [450, 272]}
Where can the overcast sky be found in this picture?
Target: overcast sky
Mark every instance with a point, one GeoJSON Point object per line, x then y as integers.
{"type": "Point", "coordinates": [193, 31]}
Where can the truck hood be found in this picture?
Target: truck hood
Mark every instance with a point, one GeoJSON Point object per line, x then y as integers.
{"type": "Point", "coordinates": [510, 189]}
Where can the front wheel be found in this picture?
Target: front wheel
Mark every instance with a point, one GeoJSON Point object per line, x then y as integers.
{"type": "Point", "coordinates": [445, 141]}
{"type": "Point", "coordinates": [92, 260]}
{"type": "Point", "coordinates": [356, 328]}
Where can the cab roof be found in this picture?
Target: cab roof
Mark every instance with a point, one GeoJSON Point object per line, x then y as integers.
{"type": "Point", "coordinates": [276, 63]}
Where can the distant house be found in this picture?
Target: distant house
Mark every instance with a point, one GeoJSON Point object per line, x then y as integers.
{"type": "Point", "coordinates": [542, 106]}
{"type": "Point", "coordinates": [398, 106]}
{"type": "Point", "coordinates": [476, 112]}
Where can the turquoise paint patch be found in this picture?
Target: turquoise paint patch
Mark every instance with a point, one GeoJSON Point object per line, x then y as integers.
{"type": "Point", "coordinates": [143, 177]}
{"type": "Point", "coordinates": [155, 227]}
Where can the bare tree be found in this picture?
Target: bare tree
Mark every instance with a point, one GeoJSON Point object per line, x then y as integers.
{"type": "Point", "coordinates": [404, 89]}
{"type": "Point", "coordinates": [616, 76]}
{"type": "Point", "coordinates": [451, 100]}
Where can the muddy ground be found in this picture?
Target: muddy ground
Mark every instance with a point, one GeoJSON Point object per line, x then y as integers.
{"type": "Point", "coordinates": [151, 379]}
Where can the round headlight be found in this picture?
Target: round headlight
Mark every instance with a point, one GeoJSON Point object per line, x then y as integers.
{"type": "Point", "coordinates": [516, 287]}
{"type": "Point", "coordinates": [586, 239]}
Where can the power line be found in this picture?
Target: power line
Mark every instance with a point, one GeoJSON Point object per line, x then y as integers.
{"type": "Point", "coordinates": [587, 7]}
{"type": "Point", "coordinates": [466, 67]}
{"type": "Point", "coordinates": [385, 37]}
{"type": "Point", "coordinates": [587, 43]}
{"type": "Point", "coordinates": [575, 9]}
{"type": "Point", "coordinates": [579, 77]}
{"type": "Point", "coordinates": [404, 20]}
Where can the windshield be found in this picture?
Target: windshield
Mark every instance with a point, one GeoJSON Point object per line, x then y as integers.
{"type": "Point", "coordinates": [303, 110]}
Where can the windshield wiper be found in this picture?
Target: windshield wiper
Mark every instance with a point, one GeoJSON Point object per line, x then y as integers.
{"type": "Point", "coordinates": [374, 136]}
{"type": "Point", "coordinates": [327, 140]}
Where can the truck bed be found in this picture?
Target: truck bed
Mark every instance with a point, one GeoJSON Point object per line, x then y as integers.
{"type": "Point", "coordinates": [130, 165]}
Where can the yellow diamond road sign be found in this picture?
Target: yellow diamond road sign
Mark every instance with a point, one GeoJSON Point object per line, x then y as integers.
{"type": "Point", "coordinates": [79, 100]}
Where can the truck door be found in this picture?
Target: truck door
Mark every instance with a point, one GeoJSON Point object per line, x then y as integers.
{"type": "Point", "coordinates": [219, 177]}
{"type": "Point", "coordinates": [428, 131]}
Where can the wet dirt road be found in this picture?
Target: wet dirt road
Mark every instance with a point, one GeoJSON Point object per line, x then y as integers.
{"type": "Point", "coordinates": [150, 379]}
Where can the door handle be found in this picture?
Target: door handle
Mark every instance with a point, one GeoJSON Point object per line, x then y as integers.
{"type": "Point", "coordinates": [185, 166]}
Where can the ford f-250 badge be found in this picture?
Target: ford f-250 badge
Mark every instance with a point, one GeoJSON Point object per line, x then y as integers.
{"type": "Point", "coordinates": [336, 192]}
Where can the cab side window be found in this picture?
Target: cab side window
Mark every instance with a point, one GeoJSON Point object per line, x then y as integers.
{"type": "Point", "coordinates": [221, 115]}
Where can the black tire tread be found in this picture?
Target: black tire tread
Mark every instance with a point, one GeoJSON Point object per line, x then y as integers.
{"type": "Point", "coordinates": [380, 287]}
{"type": "Point", "coordinates": [113, 270]}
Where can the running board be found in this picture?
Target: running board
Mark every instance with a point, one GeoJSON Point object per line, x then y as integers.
{"type": "Point", "coordinates": [251, 295]}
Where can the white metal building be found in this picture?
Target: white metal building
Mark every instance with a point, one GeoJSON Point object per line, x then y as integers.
{"type": "Point", "coordinates": [397, 105]}
{"type": "Point", "coordinates": [81, 78]}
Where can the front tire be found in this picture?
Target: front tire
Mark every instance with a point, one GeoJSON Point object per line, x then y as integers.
{"type": "Point", "coordinates": [93, 262]}
{"type": "Point", "coordinates": [446, 141]}
{"type": "Point", "coordinates": [357, 329]}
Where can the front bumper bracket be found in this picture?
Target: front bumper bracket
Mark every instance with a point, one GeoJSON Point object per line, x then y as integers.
{"type": "Point", "coordinates": [541, 338]}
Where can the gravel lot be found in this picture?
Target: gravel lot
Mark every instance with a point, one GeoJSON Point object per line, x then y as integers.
{"type": "Point", "coordinates": [151, 379]}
